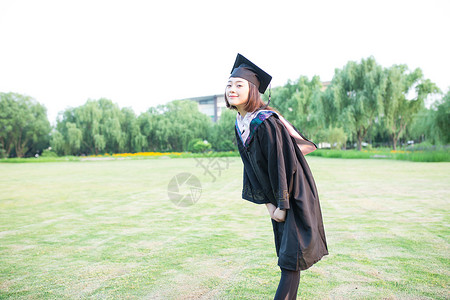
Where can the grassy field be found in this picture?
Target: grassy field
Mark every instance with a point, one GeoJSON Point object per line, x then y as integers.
{"type": "Point", "coordinates": [107, 229]}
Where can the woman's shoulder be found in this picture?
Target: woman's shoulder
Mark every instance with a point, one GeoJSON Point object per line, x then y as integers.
{"type": "Point", "coordinates": [256, 124]}
{"type": "Point", "coordinates": [268, 118]}
{"type": "Point", "coordinates": [268, 125]}
{"type": "Point", "coordinates": [264, 115]}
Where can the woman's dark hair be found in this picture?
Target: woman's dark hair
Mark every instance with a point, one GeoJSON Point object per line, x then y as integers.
{"type": "Point", "coordinates": [254, 100]}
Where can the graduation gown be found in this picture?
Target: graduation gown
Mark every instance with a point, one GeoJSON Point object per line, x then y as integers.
{"type": "Point", "coordinates": [275, 171]}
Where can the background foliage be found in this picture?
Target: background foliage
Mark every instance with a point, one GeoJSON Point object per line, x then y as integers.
{"type": "Point", "coordinates": [24, 127]}
{"type": "Point", "coordinates": [371, 104]}
{"type": "Point", "coordinates": [365, 105]}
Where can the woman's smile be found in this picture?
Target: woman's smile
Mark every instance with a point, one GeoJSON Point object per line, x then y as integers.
{"type": "Point", "coordinates": [237, 91]}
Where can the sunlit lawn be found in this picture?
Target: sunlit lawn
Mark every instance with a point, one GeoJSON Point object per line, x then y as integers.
{"type": "Point", "coordinates": [107, 229]}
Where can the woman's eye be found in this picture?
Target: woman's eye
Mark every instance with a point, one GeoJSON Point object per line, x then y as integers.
{"type": "Point", "coordinates": [228, 85]}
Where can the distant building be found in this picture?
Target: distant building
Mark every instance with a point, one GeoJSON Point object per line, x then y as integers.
{"type": "Point", "coordinates": [211, 105]}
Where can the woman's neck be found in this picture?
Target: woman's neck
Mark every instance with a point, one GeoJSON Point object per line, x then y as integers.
{"type": "Point", "coordinates": [241, 111]}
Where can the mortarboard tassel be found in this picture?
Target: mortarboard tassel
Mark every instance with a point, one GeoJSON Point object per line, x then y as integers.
{"type": "Point", "coordinates": [270, 95]}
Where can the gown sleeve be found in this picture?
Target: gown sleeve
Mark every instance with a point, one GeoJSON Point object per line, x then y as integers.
{"type": "Point", "coordinates": [277, 146]}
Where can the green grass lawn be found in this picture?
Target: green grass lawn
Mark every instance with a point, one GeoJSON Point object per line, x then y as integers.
{"type": "Point", "coordinates": [107, 229]}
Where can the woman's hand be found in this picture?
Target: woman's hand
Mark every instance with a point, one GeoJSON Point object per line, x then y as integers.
{"type": "Point", "coordinates": [276, 213]}
{"type": "Point", "coordinates": [279, 215]}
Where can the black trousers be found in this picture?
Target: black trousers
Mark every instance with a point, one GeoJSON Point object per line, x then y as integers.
{"type": "Point", "coordinates": [289, 281]}
{"type": "Point", "coordinates": [288, 286]}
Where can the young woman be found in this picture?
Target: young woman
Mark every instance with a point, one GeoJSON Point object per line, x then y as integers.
{"type": "Point", "coordinates": [276, 174]}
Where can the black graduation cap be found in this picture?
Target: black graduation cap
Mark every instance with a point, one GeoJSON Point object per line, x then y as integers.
{"type": "Point", "coordinates": [243, 68]}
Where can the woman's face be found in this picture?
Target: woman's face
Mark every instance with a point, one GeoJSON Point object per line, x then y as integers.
{"type": "Point", "coordinates": [237, 91]}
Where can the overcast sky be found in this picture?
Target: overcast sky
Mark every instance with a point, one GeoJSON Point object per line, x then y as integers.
{"type": "Point", "coordinates": [144, 53]}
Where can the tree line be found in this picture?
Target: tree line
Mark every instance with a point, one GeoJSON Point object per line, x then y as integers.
{"type": "Point", "coordinates": [364, 102]}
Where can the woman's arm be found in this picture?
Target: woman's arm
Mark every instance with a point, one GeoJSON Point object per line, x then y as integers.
{"type": "Point", "coordinates": [271, 208]}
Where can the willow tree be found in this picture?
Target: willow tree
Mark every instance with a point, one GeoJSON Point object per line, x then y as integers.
{"type": "Point", "coordinates": [297, 101]}
{"type": "Point", "coordinates": [23, 124]}
{"type": "Point", "coordinates": [92, 128]}
{"type": "Point", "coordinates": [357, 91]}
{"type": "Point", "coordinates": [133, 139]}
{"type": "Point", "coordinates": [404, 97]}
{"type": "Point", "coordinates": [183, 122]}
{"type": "Point", "coordinates": [433, 124]}
{"type": "Point", "coordinates": [222, 135]}
{"type": "Point", "coordinates": [442, 119]}
{"type": "Point", "coordinates": [149, 124]}
{"type": "Point", "coordinates": [172, 126]}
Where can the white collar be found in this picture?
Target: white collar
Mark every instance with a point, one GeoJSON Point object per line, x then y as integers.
{"type": "Point", "coordinates": [244, 122]}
